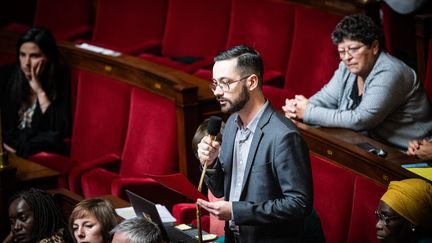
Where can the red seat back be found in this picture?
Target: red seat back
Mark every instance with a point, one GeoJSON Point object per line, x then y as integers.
{"type": "Point", "coordinates": [313, 57]}
{"type": "Point", "coordinates": [124, 24]}
{"type": "Point", "coordinates": [428, 79]}
{"type": "Point", "coordinates": [402, 46]}
{"type": "Point", "coordinates": [195, 28]}
{"type": "Point", "coordinates": [101, 117]}
{"type": "Point", "coordinates": [64, 16]}
{"type": "Point", "coordinates": [266, 26]}
{"type": "Point", "coordinates": [365, 201]}
{"type": "Point", "coordinates": [151, 141]}
{"type": "Point", "coordinates": [333, 190]}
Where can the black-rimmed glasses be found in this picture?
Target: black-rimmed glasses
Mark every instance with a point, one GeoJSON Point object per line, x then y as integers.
{"type": "Point", "coordinates": [225, 86]}
{"type": "Point", "coordinates": [386, 219]}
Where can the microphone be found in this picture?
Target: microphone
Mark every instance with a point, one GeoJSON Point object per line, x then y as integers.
{"type": "Point", "coordinates": [213, 129]}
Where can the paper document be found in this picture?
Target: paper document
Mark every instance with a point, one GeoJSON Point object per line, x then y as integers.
{"type": "Point", "coordinates": [98, 49]}
{"type": "Point", "coordinates": [164, 214]}
{"type": "Point", "coordinates": [126, 213]}
{"type": "Point", "coordinates": [424, 172]}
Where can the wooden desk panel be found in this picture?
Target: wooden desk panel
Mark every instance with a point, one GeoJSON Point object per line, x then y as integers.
{"type": "Point", "coordinates": [30, 173]}
{"type": "Point", "coordinates": [339, 146]}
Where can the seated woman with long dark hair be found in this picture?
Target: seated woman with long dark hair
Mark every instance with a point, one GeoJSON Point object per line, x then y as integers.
{"type": "Point", "coordinates": [35, 97]}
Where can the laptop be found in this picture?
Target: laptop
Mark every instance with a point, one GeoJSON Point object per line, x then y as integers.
{"type": "Point", "coordinates": [147, 209]}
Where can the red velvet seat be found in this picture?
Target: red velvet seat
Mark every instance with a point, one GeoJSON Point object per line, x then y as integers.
{"type": "Point", "coordinates": [365, 201]}
{"type": "Point", "coordinates": [195, 31]}
{"type": "Point", "coordinates": [150, 149]}
{"type": "Point", "coordinates": [99, 128]}
{"type": "Point", "coordinates": [402, 46]}
{"type": "Point", "coordinates": [67, 20]}
{"type": "Point", "coordinates": [313, 57]}
{"type": "Point", "coordinates": [428, 79]}
{"type": "Point", "coordinates": [333, 190]}
{"type": "Point", "coordinates": [268, 30]}
{"type": "Point", "coordinates": [130, 27]}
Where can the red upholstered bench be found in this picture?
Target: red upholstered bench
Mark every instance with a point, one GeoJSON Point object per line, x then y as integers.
{"type": "Point", "coordinates": [313, 57]}
{"type": "Point", "coordinates": [99, 127]}
{"type": "Point", "coordinates": [345, 202]}
{"type": "Point", "coordinates": [68, 20]}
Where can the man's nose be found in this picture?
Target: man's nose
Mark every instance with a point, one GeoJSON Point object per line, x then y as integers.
{"type": "Point", "coordinates": [218, 91]}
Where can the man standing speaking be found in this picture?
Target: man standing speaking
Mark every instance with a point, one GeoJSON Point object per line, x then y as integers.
{"type": "Point", "coordinates": [262, 167]}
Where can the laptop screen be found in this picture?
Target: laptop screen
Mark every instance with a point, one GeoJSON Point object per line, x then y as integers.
{"type": "Point", "coordinates": [147, 209]}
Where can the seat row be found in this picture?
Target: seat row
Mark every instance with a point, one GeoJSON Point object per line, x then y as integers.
{"type": "Point", "coordinates": [294, 40]}
{"type": "Point", "coordinates": [123, 136]}
{"type": "Point", "coordinates": [344, 200]}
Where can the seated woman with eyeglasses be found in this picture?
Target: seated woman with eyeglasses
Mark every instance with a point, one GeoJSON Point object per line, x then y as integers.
{"type": "Point", "coordinates": [405, 212]}
{"type": "Point", "coordinates": [371, 91]}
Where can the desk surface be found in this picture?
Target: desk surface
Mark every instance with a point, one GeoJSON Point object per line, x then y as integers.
{"type": "Point", "coordinates": [30, 171]}
{"type": "Point", "coordinates": [340, 146]}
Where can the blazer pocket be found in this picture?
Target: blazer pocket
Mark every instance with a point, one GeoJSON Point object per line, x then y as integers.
{"type": "Point", "coordinates": [261, 168]}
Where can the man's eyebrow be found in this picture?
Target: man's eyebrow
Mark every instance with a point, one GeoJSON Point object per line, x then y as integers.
{"type": "Point", "coordinates": [221, 79]}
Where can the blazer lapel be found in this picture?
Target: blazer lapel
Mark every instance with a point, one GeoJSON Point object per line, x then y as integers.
{"type": "Point", "coordinates": [228, 145]}
{"type": "Point", "coordinates": [255, 143]}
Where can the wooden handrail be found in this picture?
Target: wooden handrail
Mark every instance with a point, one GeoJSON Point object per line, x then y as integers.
{"type": "Point", "coordinates": [340, 146]}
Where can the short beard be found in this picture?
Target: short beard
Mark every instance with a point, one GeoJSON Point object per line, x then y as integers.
{"type": "Point", "coordinates": [238, 104]}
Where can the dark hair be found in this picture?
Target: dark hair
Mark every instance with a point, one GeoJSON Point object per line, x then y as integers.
{"type": "Point", "coordinates": [202, 132]}
{"type": "Point", "coordinates": [249, 60]}
{"type": "Point", "coordinates": [52, 74]}
{"type": "Point", "coordinates": [139, 230]}
{"type": "Point", "coordinates": [48, 219]}
{"type": "Point", "coordinates": [102, 210]}
{"type": "Point", "coordinates": [357, 27]}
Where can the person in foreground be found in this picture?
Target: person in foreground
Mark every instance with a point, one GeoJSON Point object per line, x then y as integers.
{"type": "Point", "coordinates": [35, 97]}
{"type": "Point", "coordinates": [262, 167]}
{"type": "Point", "coordinates": [34, 217]}
{"type": "Point", "coordinates": [92, 220]}
{"type": "Point", "coordinates": [405, 212]}
{"type": "Point", "coordinates": [370, 91]}
{"type": "Point", "coordinates": [136, 230]}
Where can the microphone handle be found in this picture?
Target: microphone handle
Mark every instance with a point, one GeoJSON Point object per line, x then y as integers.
{"type": "Point", "coordinates": [199, 226]}
{"type": "Point", "coordinates": [198, 208]}
{"type": "Point", "coordinates": [204, 168]}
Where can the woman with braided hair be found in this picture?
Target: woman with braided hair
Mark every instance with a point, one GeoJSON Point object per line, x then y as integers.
{"type": "Point", "coordinates": [34, 217]}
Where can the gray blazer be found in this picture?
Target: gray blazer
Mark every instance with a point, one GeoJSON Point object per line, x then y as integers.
{"type": "Point", "coordinates": [277, 188]}
{"type": "Point", "coordinates": [394, 107]}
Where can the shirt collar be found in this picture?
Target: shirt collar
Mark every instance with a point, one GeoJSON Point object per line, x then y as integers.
{"type": "Point", "coordinates": [253, 124]}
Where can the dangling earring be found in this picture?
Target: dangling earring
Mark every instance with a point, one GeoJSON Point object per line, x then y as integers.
{"type": "Point", "coordinates": [413, 229]}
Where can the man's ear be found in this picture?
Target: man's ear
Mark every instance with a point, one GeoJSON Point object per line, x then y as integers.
{"type": "Point", "coordinates": [252, 82]}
